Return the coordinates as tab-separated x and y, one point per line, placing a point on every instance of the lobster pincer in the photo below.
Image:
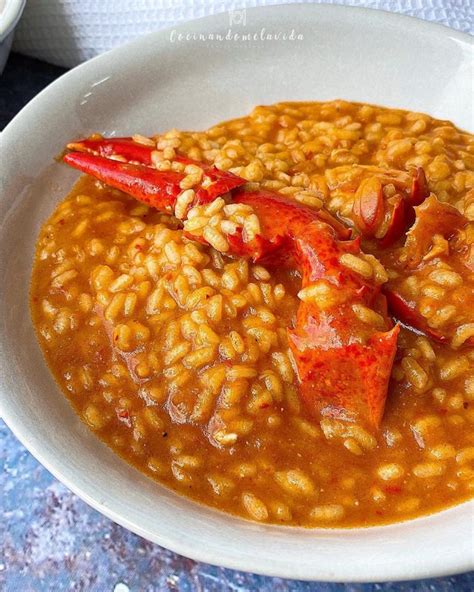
343	341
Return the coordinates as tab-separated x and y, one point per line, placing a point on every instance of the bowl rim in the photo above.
10	16
183	547
408	21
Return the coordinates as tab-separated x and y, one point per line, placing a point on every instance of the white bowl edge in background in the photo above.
153	84
10	13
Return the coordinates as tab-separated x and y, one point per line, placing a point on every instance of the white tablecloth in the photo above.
68	32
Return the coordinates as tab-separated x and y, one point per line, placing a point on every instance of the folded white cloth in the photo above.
68	32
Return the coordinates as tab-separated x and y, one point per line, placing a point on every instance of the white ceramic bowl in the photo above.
156	83
10	12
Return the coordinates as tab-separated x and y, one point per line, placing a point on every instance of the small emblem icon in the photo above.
238	17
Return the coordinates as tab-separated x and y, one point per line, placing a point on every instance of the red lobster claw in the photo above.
343	342
158	189
434	218
344	360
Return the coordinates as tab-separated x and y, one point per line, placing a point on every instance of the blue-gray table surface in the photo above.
52	541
